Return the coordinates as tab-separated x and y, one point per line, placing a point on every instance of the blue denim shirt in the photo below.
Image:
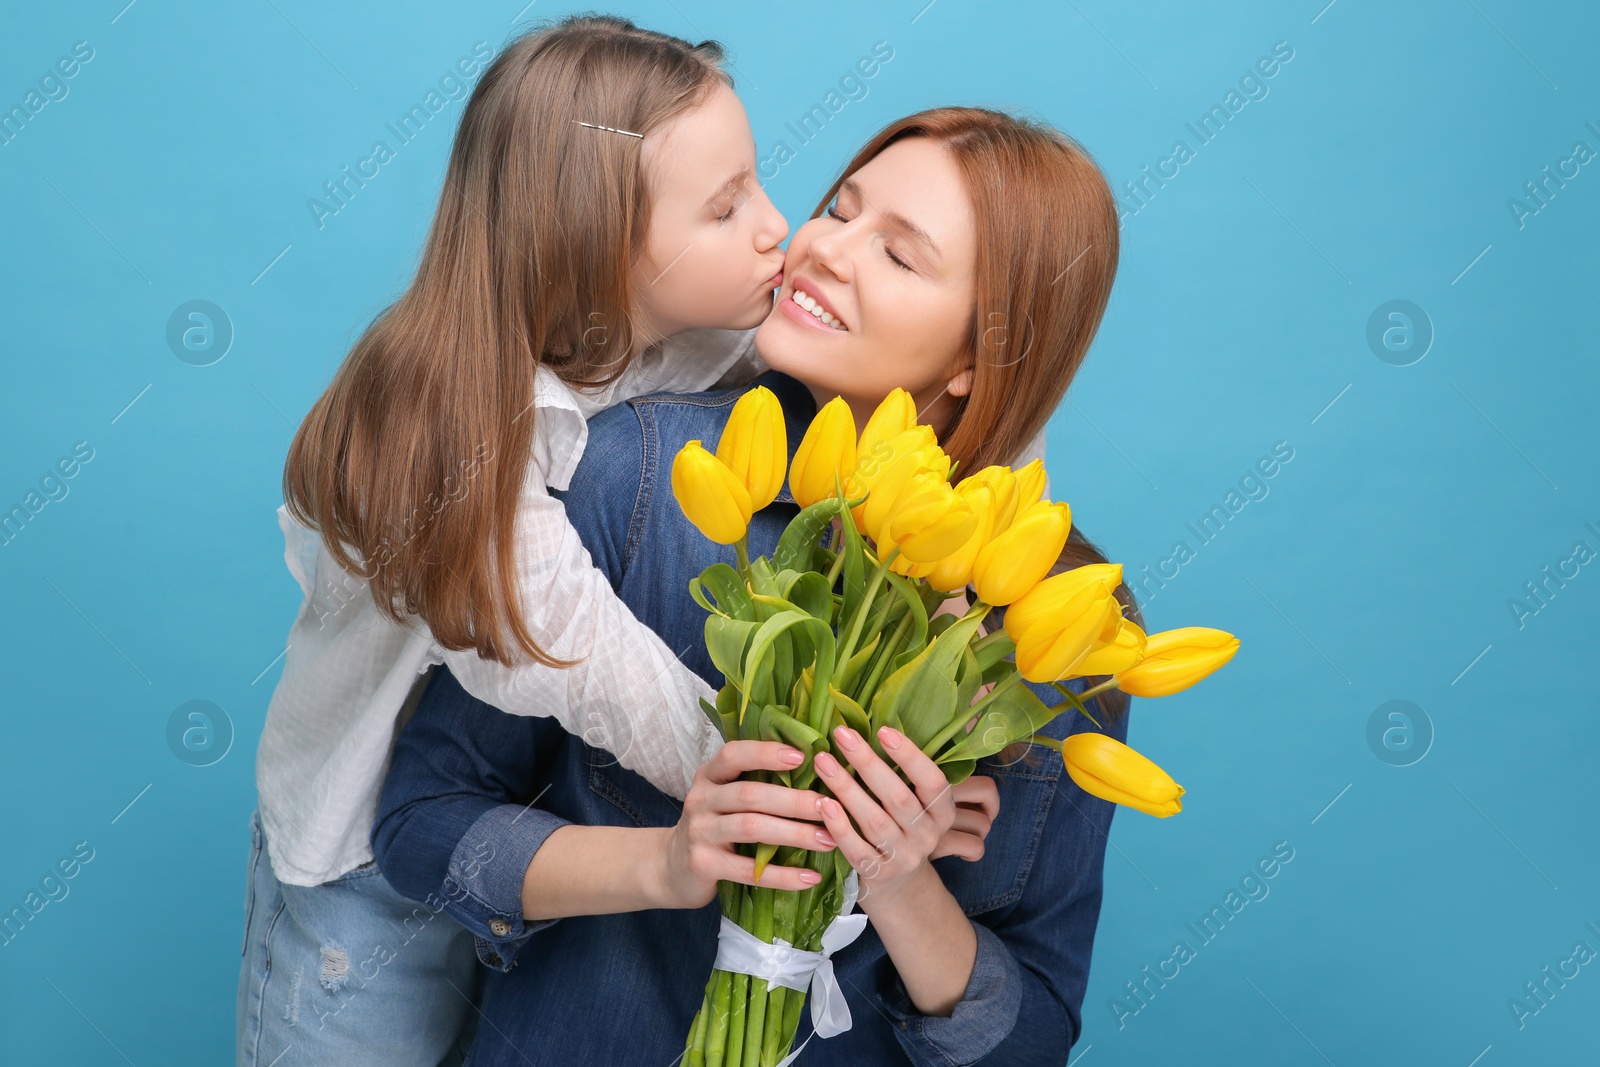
473	792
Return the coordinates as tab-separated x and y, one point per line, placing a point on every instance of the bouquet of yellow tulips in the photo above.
841	626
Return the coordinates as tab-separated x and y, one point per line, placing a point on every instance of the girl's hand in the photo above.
899	829
722	810
977	806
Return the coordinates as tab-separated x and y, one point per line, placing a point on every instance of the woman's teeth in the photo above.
806	302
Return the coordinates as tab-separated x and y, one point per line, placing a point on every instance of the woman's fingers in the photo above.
978	791
961	845
888	791
736	757
769	797
772	875
933	788
753	827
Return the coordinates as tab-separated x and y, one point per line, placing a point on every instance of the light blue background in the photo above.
1419	501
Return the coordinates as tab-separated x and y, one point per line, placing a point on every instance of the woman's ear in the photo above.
961	384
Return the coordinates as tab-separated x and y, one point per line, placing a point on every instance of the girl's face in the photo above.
712	258
892	265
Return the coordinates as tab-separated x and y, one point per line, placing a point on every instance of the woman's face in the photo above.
892	265
712	254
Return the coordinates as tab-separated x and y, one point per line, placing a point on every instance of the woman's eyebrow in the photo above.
898	221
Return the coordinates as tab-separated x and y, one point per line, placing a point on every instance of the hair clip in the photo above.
612	129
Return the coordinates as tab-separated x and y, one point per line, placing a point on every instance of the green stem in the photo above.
1049	742
881	662
741	548
860	618
836	569
756	1013
1094	691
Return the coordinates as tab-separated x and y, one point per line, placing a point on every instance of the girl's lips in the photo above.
800	315
775	281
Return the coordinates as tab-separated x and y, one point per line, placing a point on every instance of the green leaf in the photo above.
922	694
763	578
727	711
908	593
778	724
733	599
855	569
758	658
958	771
853	714
968	678
727	640
847	675
810	593
797	547
993	648
1013	715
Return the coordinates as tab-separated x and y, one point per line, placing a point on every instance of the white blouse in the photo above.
349	672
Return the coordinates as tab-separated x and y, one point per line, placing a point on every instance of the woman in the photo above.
927	272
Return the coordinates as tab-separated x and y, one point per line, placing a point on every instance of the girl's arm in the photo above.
628	694
459	820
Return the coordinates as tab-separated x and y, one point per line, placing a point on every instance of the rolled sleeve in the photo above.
980	1020
483	884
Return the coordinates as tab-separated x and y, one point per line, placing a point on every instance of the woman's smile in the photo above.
806	310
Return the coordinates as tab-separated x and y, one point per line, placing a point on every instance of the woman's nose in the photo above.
831	252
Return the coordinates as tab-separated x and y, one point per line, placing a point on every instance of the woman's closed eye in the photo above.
833	213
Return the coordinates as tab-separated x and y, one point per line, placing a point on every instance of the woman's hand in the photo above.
723	810
977	806
899	829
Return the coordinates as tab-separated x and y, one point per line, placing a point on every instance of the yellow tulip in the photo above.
904	566
1050	600
1124	647
1051	651
1105	767
1002	484
895	414
827	452
1017	559
928	520
1176	659
711	495
955	570
884	473
755	445
1030	484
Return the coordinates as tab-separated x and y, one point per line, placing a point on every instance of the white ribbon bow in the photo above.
781	964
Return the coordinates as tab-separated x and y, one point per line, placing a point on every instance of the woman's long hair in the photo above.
1047	243
412	463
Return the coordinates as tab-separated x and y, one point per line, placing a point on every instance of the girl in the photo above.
600	234
568	867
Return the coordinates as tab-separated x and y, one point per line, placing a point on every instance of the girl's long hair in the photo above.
412	463
1047	243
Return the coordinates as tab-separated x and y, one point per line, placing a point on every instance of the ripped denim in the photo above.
350	972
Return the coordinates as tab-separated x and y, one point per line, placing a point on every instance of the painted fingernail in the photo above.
819	803
826	839
890	737
848	738
826	765
792	757
810	877
831	807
